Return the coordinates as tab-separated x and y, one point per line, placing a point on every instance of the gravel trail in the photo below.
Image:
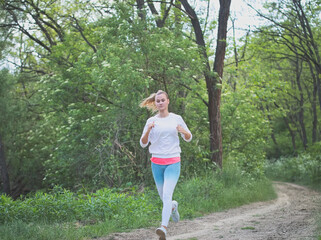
291	216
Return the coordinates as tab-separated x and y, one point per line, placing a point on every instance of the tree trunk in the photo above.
313	49
178	17
272	130
216	129
301	103
213	78
318	69
292	133
4	169
314	104
160	18
221	36
140	6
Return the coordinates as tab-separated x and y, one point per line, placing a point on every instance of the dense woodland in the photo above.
69	102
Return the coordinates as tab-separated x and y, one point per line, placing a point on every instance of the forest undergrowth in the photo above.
61	214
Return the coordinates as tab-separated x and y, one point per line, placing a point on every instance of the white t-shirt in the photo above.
164	136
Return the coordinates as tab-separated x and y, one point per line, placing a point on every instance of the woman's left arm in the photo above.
187	135
183	130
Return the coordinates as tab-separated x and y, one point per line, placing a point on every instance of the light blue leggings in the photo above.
166	177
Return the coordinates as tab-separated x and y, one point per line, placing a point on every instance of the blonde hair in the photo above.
149	102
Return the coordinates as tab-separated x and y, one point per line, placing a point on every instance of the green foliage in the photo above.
303	168
73	120
286	77
61	214
245	131
19	129
217	191
84	123
61	205
98	127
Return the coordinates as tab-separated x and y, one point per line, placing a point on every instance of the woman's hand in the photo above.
180	129
149	128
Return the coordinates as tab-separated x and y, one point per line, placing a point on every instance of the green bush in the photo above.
61	205
303	168
62	214
220	190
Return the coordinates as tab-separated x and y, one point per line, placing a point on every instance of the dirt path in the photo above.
290	216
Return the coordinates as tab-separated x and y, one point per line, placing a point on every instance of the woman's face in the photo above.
161	102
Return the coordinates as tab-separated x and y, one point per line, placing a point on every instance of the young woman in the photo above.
161	131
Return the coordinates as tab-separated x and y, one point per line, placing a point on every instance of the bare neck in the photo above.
163	114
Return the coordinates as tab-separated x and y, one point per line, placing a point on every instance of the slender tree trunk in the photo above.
140	6
4	169
318	69
315	116
236	57
292	133
313	49
301	103
178	17
272	130
160	18
313	105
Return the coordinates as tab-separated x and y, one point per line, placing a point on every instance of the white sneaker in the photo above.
175	214
161	232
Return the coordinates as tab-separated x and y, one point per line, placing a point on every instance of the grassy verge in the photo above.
221	191
303	169
83	216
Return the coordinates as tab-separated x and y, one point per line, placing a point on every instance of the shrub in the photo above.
303	168
61	205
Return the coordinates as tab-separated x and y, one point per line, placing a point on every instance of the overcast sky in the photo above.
245	17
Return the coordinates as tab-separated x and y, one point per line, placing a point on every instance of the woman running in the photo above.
161	131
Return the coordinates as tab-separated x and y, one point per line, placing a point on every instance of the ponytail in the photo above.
149	102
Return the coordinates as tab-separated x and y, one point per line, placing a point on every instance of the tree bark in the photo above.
213	77
314	104
4	169
160	19
292	133
140	5
272	130
298	71
216	134
313	49
318	70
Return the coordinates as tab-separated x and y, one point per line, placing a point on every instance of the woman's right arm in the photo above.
144	138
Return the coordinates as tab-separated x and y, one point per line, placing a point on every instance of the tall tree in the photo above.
292	38
213	76
293	20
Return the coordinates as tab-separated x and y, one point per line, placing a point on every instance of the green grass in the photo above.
225	190
248	228
86	216
304	169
